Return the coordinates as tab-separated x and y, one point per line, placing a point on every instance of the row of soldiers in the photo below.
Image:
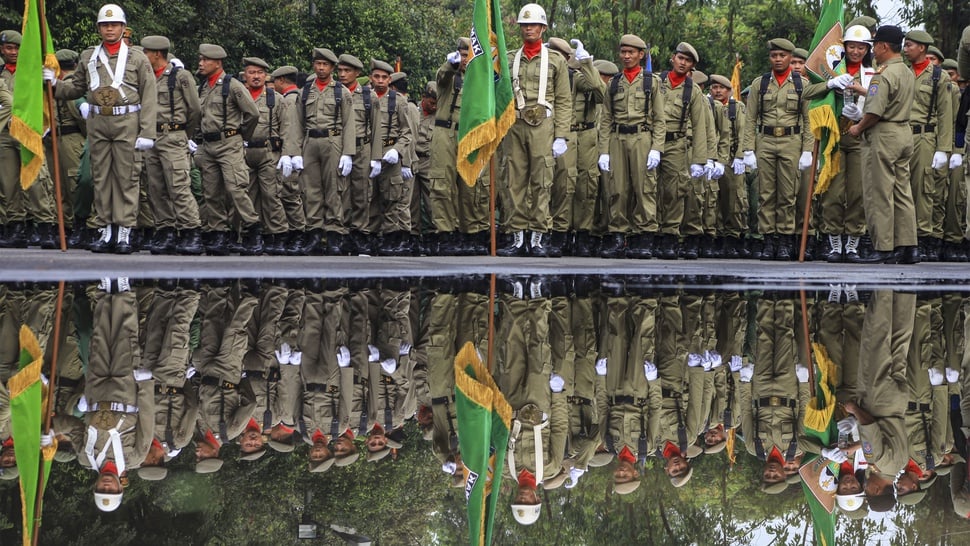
595	371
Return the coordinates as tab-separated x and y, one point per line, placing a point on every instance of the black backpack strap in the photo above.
459	82
688	90
226	82
614	85
797	80
937	71
733	116
391	108
365	92
765	80
647	90
338	96
171	91
306	92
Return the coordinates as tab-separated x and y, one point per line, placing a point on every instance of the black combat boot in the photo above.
613	246
190	243
252	244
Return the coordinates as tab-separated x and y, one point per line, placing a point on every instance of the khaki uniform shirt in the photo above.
891	92
282	117
782	108
240	111
396	125
942	111
628	106
320	112
695	117
557	87
181	103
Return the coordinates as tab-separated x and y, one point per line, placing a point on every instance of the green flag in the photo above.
824	62
26	402
29	120
819	423
487	109
483	418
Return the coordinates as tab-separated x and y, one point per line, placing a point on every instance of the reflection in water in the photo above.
645	414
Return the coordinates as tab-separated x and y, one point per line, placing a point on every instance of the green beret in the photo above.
699	77
398	76
605	67
287	71
562	46
376	64
950	64
920	37
720	80
255	61
324	54
865	21
156	43
687	49
632	40
349	60
68	56
212	51
933	50
781	44
800	53
10	37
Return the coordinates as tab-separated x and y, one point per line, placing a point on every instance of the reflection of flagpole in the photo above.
491	316
805	334
51	391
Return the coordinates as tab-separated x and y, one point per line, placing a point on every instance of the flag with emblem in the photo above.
818	483
29	121
487	108
824	62
27	392
484	418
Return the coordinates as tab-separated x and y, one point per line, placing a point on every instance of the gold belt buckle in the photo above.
533	115
106	97
779	131
774	401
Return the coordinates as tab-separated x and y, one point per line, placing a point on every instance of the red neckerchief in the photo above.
288	89
379	94
671	449
211	439
530	50
8	442
376	428
352	87
158	71
156	444
919	67
631	73
846	468
627	455
911	466
675	80
12	68
256	93
252	425
321	85
527	479
349	433
780	78
319	436
110	468
112	49
853	68
776	455
214	78
285	428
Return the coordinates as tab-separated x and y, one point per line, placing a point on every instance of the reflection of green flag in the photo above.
484	418
823	517
487	110
26	399
820	423
823	113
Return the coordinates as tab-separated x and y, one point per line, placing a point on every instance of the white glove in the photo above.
556	382
449	467
653	160
558	147
952	376
407	173
375	169
50	76
144	144
936	378
604	162
345	164
579	52
696	170
956	161
454	57
851	110
716	360
848	425
650	370
750	161
82	404
939	160
177	62
141	374
298	163
706	362
736	363
190	373
834	454
737	166
709	168
747	372
840	82
718	171
805	161
574	475
373	354
389	365
85	110
391	157
801	372
343	356
283	354
694	360
601	366
296	358
285	166
193	147
47	439
405	349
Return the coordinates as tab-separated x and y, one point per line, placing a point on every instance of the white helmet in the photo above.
849	503
107	502
532	13
111	13
857	33
526	514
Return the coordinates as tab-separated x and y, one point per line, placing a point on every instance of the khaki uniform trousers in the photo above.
325	192
630	189
169	183
886	191
225	181
527	190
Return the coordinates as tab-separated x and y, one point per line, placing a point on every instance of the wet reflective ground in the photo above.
654	409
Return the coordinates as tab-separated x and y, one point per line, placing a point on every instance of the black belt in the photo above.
624	399
579	401
667	393
913	406
322	388
389	141
68	130
424	154
780	131
363	140
272	376
630	129
577	127
166	127
439	400
674	136
324	133
919	129
216	382
447	124
274	143
219	135
168	390
774	402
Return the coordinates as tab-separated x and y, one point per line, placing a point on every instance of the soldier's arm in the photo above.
563	104
941	435
445	78
808	138
751	118
6	101
405	138
149	100
72	88
376	138
944	116
247	109
349	127
588	79
963	55
193	108
659	121
699	114
740	123
285	113
710	110
606	122
723	136
145	427
814	90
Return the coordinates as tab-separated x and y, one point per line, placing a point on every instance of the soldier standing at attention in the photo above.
284	82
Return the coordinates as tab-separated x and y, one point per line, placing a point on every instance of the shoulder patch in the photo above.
873	89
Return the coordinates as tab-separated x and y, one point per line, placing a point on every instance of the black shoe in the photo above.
49	239
613	246
252	244
17	235
691	248
293	244
190	243
33	234
934	250
668	247
218	244
102	244
582	245
730	248
276	245
164	242
640	247
880	257
769	248
907	255
784	249
707	247
554	244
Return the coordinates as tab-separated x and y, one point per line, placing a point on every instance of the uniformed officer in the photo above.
71	133
369	152
124	107
587	106
732	194
886	191
421	196
540	86
229	117
955	218
778	133
12	214
718	140
284	83
631	131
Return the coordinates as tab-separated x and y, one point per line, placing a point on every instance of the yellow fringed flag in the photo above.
824	62
736	78
29	121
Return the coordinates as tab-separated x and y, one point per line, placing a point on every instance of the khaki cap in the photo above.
376	64
398	76
774	488
374	456
605	67
286	71
920	37
933	50
687	49
156	43
699	77
718	447
281	447
431	90
865	21
680	481
10	37
464	43
322	466
212	51
720	80
632	40
950	64
800	53
255	61
781	44
556	481
153	473
562	46
66	56
349	60
348	459
254	456
627	487
324	54
208	466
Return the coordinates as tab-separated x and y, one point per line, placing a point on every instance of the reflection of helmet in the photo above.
857	33
849	503
107	502
526	514
111	13
532	13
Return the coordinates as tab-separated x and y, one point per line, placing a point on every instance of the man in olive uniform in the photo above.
540	86
955	219
631	134
886	190
124	105
177	223
71	136
12	214
421	196
366	160
229	117
284	83
732	195
931	119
